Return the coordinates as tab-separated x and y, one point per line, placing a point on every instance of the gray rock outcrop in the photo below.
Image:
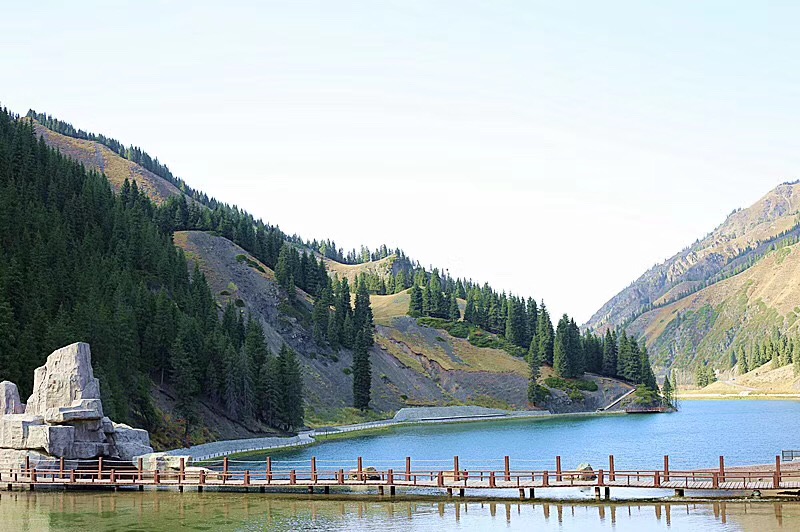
64	415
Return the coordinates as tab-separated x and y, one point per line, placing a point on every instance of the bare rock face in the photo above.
64	415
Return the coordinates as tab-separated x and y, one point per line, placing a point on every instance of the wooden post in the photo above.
113	476
776	478
360	469
155	477
292	477
456	476
600	477
657	480
202	477
269	470
246	477
558	468
715	480
408	469
341	476
72	476
666	468
507	470
27	465
612	476
722	469
100	468
139	465
61	467
440	480
390	477
492	483
314	469
224	470
545	478
182	473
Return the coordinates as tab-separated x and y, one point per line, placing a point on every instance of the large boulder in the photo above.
129	442
65	388
64	415
55	440
9	399
15	428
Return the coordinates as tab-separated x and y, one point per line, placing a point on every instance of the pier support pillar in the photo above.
311	489
141	487
380	490
262	489
327	490
522	494
597	492
180	489
461	492
680	492
449	492
531	493
607	493
199	489
392	491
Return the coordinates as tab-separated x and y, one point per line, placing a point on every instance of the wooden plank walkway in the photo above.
261	475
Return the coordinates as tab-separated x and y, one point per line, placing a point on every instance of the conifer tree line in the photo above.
80	263
335	322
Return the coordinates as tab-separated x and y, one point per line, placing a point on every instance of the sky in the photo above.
554	149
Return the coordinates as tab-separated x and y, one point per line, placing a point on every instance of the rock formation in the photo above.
64	415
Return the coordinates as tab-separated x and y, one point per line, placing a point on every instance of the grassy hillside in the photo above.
411	364
764	381
95	156
350	271
709	324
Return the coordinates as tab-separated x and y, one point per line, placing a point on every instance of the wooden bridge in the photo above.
248	475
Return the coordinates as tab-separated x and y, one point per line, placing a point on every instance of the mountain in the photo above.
727	294
208	323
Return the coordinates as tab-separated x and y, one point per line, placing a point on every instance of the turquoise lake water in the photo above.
745	432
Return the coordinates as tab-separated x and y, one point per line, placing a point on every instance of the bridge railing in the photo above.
435	473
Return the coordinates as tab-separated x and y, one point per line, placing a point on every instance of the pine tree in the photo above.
362	315
415	306
454	313
562	354
536	392
290	389
362	373
609	355
545	336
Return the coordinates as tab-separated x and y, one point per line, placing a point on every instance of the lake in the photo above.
744	431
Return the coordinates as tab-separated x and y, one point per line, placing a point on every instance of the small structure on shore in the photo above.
63	418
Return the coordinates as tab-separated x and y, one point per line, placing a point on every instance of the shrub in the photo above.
459	329
575	395
347	371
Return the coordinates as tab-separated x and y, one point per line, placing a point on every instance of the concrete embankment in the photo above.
405	416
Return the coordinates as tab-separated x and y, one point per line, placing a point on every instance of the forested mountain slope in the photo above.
242	329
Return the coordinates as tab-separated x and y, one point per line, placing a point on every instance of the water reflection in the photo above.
236	511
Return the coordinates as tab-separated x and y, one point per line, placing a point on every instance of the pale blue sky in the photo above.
554	149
